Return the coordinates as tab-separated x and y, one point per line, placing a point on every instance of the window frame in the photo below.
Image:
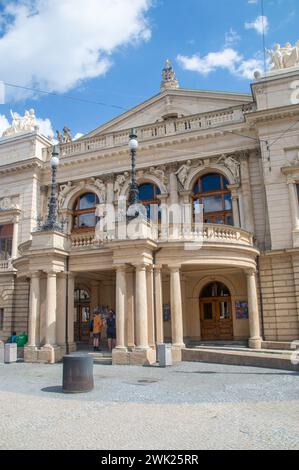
1	318
79	212
222	192
8	239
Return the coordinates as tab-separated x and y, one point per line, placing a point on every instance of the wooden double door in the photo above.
216	320
82	331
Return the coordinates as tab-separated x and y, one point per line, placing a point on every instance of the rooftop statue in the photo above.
284	57
169	80
26	123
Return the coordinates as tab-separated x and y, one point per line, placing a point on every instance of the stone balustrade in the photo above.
161	129
208	233
5	265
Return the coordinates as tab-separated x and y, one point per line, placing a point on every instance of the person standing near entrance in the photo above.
111	330
97	330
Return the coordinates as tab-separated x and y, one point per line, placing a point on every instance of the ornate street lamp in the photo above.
133	211
51	223
134	192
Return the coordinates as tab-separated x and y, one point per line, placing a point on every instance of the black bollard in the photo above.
77	374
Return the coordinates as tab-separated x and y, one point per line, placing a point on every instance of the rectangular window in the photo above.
1	318
6	233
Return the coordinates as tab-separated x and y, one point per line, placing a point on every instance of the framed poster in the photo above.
242	310
166	312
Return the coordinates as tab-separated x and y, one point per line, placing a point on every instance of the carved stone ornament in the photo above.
65	189
183	172
7	204
232	164
284	57
26	123
119	183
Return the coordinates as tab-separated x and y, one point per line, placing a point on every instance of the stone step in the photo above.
253	358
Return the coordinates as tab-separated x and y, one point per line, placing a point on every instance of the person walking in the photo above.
111	330
97	331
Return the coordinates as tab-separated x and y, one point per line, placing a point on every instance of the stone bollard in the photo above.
1	352
164	354
10	353
77	374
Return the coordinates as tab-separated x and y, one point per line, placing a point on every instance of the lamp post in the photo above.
134	192
51	223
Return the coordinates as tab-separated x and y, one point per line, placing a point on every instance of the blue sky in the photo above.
113	51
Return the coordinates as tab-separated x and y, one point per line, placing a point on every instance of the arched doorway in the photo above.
82	318
216	319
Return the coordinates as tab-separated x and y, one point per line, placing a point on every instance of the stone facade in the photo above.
156	282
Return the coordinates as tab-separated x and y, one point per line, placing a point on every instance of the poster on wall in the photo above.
242	310
166	312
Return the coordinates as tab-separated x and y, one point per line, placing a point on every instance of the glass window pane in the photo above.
196	189
212	203
224	311
87	220
146	192
87	201
211	182
225	183
208	311
228	202
229	220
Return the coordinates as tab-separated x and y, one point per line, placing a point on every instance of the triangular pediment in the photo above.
172	103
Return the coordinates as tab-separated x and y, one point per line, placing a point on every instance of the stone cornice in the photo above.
21	166
272	114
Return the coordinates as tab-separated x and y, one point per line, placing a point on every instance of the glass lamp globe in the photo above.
133	144
54	161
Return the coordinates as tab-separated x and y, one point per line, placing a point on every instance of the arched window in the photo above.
215	289
6	234
84	211
212	191
148	193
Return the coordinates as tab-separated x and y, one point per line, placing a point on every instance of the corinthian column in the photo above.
255	340
141	308
34	306
120	307
176	308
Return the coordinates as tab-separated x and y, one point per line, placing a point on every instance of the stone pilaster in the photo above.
150	307
120	307
141	308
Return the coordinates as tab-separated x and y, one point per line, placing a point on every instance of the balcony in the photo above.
206	234
5	266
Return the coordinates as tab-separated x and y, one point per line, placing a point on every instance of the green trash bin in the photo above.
22	339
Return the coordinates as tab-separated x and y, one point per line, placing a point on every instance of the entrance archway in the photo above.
82	315
216	319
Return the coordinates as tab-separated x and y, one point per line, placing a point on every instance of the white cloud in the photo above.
260	24
231	38
78	135
228	59
56	44
4	124
45	127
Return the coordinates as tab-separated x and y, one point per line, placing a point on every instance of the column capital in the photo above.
250	272
35	275
62	275
52	273
120	268
141	267
175	269
157	267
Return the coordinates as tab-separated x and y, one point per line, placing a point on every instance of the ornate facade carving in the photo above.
27	123
119	183
8	204
284	57
64	190
232	164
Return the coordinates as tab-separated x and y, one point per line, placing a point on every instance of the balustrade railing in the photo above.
160	129
208	233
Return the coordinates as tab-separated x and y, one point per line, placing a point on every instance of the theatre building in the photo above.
236	154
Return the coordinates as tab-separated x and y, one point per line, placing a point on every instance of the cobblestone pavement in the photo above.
189	406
